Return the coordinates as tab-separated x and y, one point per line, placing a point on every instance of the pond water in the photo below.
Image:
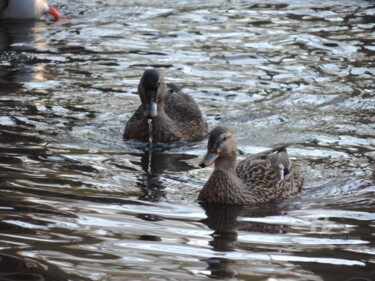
80	203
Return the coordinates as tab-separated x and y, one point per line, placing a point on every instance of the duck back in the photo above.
270	174
183	110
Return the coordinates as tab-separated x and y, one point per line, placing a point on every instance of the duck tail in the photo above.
297	179
280	149
173	88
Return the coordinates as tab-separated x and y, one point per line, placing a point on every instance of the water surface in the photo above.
79	203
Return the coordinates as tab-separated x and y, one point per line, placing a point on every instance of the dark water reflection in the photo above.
79	203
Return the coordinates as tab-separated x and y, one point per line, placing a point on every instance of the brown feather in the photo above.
263	177
178	118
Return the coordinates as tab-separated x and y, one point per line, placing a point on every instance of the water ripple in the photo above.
78	201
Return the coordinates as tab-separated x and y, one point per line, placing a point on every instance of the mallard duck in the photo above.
174	115
263	177
26	9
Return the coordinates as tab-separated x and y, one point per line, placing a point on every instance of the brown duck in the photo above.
263	177
174	115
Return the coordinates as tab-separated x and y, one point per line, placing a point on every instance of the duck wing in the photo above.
182	109
137	127
276	156
270	174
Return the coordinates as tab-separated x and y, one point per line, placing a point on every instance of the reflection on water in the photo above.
19	268
17	40
79	203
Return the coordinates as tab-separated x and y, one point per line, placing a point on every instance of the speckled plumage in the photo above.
178	117
263	177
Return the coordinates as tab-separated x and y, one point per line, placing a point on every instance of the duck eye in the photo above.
225	138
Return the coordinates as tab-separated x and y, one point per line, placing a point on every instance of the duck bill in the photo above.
151	110
208	159
53	12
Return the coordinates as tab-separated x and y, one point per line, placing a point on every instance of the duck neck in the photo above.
162	118
163	127
161	110
223	187
226	163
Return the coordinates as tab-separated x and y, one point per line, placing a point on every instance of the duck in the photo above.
263	177
26	9
173	115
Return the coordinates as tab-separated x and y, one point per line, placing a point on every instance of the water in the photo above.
79	203
150	144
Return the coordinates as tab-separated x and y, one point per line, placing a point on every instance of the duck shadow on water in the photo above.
17	39
155	161
16	32
223	220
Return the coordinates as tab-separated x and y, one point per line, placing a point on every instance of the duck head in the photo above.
26	9
221	146
151	90
42	8
53	12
